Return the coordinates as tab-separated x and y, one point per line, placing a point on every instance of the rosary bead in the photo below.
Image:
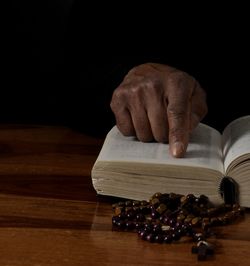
159	238
186	228
157	228
144	203
211	211
228	217
166	220
195	221
148	227
150	237
165	228
155	202
140	217
198	237
136	209
183	200
181	217
145	209
178	225
128	203
149	219
169	217
120	224
167	239
191	198
155	214
115	219
157	195
188	219
122	216
164	198
161	208
118	210
202	199
205	223
135	203
171	222
130	214
138	226
130	225
176	235
143	234
214	221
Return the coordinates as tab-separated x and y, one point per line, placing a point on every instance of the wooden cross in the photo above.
203	249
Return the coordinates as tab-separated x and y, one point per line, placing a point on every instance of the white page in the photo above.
204	149
236	139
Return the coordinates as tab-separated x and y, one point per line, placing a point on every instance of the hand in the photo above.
158	102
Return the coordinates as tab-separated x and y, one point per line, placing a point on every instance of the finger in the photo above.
128	105
157	115
141	123
179	110
178	118
124	123
119	107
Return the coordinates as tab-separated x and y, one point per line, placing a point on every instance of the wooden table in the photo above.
50	214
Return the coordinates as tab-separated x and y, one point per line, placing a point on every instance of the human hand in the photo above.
158	102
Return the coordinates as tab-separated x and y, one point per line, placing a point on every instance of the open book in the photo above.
128	168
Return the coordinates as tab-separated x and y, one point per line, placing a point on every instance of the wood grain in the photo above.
46	161
50	214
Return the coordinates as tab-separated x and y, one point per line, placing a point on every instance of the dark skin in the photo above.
161	103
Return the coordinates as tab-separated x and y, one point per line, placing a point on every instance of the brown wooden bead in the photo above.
166	218
118	210
195	221
161	208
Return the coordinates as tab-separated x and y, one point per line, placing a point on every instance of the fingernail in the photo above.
178	149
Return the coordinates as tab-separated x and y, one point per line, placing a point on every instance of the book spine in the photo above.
229	190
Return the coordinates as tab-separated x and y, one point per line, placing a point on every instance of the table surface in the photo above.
51	215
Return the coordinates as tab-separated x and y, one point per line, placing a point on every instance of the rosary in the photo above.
167	217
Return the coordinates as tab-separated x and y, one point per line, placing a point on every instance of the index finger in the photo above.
178	111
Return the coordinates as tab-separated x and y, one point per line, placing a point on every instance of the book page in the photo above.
204	149
236	139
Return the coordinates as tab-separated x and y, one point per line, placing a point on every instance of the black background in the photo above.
61	60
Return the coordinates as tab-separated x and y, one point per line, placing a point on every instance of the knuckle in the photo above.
128	93
181	83
179	76
118	99
140	91
119	93
135	91
176	112
114	105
